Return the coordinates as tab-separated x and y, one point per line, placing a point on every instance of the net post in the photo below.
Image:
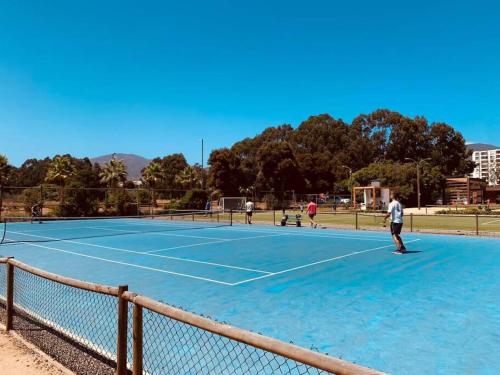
411	222
357	226
121	341
9	296
477	225
137	347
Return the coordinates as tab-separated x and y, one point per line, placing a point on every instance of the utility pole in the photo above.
418	162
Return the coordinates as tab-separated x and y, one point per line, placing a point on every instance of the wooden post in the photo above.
411	222
477	225
10	297
121	344
137	347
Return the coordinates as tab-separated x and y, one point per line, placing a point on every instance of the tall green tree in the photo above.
188	178
151	176
113	173
59	172
225	173
278	168
171	166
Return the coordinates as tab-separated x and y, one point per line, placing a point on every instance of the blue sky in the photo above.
152	78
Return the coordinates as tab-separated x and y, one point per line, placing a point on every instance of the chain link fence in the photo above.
148	337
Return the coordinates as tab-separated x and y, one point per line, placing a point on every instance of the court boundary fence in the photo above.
286	353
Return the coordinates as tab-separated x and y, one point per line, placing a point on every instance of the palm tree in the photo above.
113	173
151	175
188	177
60	170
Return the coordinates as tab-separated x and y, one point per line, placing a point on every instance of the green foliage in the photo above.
171	166
225	173
271	202
31	197
120	203
194	199
79	202
113	173
468	211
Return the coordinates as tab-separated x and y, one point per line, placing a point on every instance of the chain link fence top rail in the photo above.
179	342
165	340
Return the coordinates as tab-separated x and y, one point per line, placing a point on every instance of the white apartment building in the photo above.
487	166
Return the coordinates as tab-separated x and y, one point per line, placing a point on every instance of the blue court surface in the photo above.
435	310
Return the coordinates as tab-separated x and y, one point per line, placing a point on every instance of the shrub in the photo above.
194	199
30	198
271	202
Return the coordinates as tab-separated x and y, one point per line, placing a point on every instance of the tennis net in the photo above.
49	229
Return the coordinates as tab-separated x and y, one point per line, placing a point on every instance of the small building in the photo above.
375	196
464	190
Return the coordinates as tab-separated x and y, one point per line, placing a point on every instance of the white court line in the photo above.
130	264
157	233
152	255
221	241
316	263
491	222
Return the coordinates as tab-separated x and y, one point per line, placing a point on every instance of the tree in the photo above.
171	166
278	168
59	172
32	172
188	178
152	175
4	169
225	173
113	173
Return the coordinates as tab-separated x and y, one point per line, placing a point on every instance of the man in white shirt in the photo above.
395	212
249	210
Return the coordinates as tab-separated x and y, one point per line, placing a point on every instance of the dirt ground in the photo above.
16	358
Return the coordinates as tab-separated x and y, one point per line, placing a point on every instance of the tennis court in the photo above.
434	310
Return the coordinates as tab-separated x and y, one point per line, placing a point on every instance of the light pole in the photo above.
418	162
350	179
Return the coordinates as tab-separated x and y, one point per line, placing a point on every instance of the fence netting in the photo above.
88	318
174	347
3	281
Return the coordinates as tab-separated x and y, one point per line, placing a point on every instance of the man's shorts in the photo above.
311	216
249	213
396	228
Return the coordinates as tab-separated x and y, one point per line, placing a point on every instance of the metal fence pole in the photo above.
411	222
41	200
357	227
477	225
274	217
137	335
10	297
121	344
138	201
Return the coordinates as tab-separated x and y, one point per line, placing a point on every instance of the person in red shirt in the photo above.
312	209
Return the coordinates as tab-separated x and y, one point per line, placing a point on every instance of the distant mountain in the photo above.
134	163
481	147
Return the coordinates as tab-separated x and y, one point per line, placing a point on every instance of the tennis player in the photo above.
395	212
312	209
249	211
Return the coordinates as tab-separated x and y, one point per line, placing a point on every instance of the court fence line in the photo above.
153	338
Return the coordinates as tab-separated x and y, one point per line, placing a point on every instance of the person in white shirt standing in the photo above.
249	211
395	212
